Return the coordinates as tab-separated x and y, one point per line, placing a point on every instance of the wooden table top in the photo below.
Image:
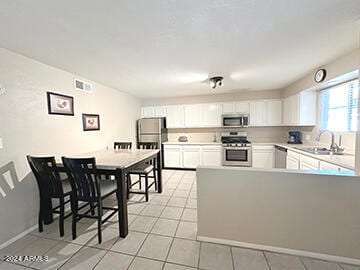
115	159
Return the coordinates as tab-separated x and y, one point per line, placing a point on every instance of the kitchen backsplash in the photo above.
264	134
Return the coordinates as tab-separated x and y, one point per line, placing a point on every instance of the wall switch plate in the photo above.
1	143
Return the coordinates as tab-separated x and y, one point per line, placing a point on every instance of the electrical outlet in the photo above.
1	143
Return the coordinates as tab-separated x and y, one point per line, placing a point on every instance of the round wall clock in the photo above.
320	75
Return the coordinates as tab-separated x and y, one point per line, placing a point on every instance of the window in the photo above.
339	107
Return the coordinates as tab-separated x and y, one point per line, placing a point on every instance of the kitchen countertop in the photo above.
345	161
192	143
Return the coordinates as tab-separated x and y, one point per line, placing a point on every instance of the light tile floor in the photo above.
162	236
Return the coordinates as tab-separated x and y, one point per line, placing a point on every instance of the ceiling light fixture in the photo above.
216	81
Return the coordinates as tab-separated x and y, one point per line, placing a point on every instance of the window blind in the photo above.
339	107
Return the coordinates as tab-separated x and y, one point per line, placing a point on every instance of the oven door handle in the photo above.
237	148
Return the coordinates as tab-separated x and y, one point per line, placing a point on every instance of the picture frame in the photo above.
91	122
60	104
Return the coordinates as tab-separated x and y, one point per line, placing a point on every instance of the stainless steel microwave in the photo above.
235	120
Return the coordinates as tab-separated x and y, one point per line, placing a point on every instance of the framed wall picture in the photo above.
60	104
91	122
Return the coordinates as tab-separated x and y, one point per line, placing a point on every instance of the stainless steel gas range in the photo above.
236	149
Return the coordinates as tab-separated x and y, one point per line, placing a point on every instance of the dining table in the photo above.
115	163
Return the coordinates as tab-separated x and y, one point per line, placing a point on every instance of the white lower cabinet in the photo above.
326	166
191	156
308	163
173	156
211	155
292	160
305	166
292	163
263	156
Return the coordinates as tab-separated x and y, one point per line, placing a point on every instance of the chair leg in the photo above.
99	222
61	217
128	180
146	187
92	208
155	180
74	209
140	181
40	222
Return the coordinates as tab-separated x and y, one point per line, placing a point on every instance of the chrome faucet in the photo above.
333	147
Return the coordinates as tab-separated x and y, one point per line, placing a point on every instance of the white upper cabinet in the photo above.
296	110
147	112
257	111
193	115
242	107
228	107
273	115
300	109
286	111
160	111
175	116
235	107
211	115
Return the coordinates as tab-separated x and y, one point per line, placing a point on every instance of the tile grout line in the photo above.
84	246
301	259
108	250
147	235
232	257
266	260
172	241
198	265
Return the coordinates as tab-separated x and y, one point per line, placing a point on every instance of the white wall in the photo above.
27	128
288	211
340	66
214	97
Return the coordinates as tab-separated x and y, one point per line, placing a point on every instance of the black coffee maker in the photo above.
295	137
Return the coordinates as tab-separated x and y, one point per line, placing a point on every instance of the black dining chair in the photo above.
50	186
143	170
122	145
147	145
87	187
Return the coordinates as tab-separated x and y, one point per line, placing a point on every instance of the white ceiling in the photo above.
154	48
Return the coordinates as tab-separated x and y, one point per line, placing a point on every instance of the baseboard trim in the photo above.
296	252
17	237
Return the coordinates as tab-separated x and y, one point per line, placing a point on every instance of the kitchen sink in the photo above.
319	151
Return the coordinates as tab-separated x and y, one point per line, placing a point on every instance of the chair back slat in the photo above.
122	145
47	175
147	145
83	178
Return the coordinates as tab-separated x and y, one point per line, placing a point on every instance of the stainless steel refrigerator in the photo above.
152	130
